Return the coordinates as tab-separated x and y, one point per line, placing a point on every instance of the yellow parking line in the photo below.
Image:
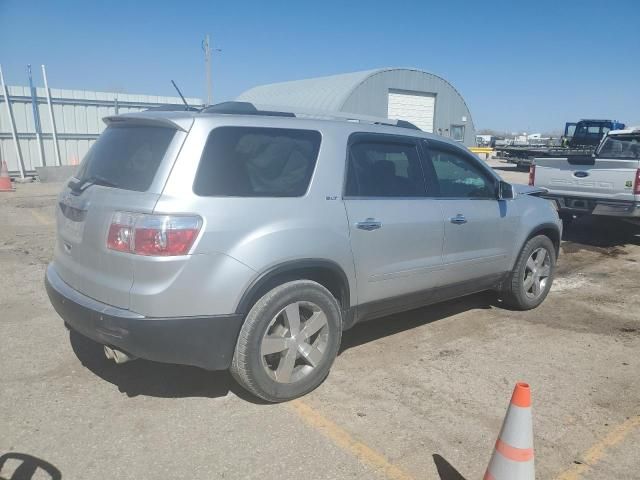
344	440
43	219
598	451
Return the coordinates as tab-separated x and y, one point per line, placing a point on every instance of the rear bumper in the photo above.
206	342
595	206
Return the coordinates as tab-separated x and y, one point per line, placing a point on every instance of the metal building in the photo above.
424	99
77	123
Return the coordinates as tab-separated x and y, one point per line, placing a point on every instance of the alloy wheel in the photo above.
295	342
536	272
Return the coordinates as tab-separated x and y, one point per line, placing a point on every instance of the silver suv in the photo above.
243	239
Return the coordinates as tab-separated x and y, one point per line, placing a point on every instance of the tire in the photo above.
520	288
270	326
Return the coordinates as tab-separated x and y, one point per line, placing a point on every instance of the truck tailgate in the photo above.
602	178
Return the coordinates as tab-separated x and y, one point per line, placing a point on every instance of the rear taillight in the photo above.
120	234
532	174
636	187
155	235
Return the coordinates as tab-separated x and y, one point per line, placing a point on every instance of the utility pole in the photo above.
207	65
206	47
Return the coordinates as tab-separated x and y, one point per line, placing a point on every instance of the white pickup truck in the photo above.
606	183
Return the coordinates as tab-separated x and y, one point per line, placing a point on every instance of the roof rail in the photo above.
247	108
405	124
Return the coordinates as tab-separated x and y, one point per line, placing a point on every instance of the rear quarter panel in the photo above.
256	234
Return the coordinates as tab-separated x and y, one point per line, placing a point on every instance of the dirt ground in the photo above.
420	395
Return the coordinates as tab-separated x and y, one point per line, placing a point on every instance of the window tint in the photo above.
384	170
126	157
257	162
459	177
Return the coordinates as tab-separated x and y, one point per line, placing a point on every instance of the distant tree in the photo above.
553	134
494	133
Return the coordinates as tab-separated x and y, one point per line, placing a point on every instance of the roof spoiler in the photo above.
149	119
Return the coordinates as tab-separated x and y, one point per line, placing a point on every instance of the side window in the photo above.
384	169
459	177
594	130
457	133
257	162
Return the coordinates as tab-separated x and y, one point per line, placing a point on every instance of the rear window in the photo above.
621	146
257	162
126	157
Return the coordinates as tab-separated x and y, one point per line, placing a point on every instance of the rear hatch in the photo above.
125	170
606	178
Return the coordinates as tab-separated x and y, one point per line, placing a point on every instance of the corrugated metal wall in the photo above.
77	116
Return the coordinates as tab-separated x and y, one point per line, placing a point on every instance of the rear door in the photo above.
478	228
396	228
123	172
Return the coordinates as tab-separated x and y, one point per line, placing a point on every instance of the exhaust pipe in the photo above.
117	356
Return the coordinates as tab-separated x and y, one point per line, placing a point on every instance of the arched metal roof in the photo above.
322	93
366	93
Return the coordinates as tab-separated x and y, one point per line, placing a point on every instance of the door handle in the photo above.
369	224
459	219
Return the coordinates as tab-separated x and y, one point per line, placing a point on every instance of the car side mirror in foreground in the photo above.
505	191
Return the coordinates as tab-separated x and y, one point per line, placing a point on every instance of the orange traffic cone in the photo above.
5	179
512	457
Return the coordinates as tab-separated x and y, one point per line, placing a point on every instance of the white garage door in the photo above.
415	108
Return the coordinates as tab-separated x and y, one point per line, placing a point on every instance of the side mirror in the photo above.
505	191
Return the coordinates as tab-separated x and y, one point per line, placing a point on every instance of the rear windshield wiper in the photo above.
82	185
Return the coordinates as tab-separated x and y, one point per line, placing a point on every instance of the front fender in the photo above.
537	215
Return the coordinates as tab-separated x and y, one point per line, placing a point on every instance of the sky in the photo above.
520	66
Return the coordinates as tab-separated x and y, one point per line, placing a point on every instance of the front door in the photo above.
477	225
396	229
